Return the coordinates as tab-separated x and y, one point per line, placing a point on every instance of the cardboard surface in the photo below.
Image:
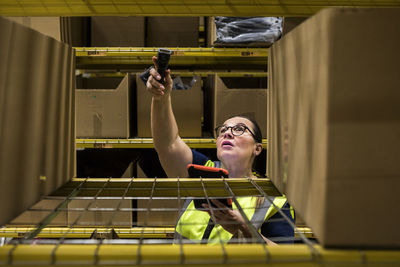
75	31
49	26
334	125
101	212
172	32
289	23
227	102
117	31
103	113
187	106
37	129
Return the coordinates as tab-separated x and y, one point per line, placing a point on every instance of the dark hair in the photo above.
256	128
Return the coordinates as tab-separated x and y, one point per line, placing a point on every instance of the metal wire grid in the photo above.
93	190
178	7
106	247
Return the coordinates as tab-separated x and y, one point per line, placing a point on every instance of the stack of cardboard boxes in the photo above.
334	125
144	31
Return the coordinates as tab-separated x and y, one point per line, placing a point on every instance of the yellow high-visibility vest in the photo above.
192	223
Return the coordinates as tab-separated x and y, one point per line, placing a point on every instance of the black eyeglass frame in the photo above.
231	127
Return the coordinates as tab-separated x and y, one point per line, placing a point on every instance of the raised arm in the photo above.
173	153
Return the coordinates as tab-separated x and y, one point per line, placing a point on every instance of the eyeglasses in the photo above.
236	130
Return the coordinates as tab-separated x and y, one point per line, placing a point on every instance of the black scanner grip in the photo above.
163	56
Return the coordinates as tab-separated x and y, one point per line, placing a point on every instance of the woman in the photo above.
239	141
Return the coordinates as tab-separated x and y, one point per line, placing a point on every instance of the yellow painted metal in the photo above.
307	232
177	7
144	143
298	253
129	57
259	74
166	187
86	232
177	52
32	254
201	255
115	143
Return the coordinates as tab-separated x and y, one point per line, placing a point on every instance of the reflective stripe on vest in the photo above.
211	163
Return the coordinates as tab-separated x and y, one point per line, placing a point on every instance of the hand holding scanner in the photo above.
163	56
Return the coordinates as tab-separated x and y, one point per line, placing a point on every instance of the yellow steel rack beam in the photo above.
128	57
259	74
189	254
86	232
143	143
166	187
178	7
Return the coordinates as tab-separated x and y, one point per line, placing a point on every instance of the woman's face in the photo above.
241	147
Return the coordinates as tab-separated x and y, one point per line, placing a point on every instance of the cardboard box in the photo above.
75	31
89	82
103	113
333	141
101	212
187	106
130	171
37	129
172	32
227	102
289	23
117	31
49	26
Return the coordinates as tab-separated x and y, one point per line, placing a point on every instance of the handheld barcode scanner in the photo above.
163	56
199	171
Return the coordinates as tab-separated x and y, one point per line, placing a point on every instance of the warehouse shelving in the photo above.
165	187
121	232
87	232
152	245
143	143
200	58
122	254
182	73
179	7
131	249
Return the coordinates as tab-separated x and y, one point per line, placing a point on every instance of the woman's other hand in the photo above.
231	220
